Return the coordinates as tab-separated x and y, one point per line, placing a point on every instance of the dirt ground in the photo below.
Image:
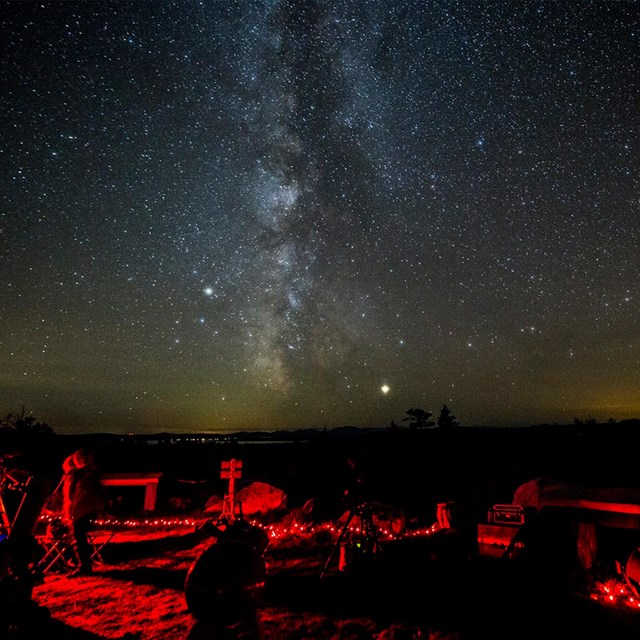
422	586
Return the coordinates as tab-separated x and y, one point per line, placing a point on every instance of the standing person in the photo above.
82	500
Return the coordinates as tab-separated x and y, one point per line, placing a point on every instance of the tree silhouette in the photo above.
418	418
446	418
24	425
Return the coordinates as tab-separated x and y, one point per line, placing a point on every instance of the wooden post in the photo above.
231	470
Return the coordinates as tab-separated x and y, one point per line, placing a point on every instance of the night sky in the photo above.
226	215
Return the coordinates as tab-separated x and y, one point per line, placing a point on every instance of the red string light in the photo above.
614	593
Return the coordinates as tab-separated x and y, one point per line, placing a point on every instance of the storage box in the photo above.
509	514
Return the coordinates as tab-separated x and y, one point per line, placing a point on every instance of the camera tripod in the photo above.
361	541
10	481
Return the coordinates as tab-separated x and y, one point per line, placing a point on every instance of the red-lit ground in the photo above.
416	589
138	592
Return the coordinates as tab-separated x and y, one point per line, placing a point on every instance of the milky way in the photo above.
225	215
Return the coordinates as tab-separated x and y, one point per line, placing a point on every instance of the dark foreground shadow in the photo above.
467	597
34	622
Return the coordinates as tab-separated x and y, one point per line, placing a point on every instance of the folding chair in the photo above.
57	554
97	540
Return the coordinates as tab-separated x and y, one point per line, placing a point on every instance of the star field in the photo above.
222	215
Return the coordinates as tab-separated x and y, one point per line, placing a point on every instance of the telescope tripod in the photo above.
9	481
354	542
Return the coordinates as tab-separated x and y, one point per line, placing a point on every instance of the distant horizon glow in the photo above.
236	216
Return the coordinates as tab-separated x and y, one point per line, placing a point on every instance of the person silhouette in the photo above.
82	500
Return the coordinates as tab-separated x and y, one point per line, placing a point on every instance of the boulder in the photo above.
257	498
547	491
214	504
389	518
531	494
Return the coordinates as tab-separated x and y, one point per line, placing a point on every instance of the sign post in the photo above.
231	470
